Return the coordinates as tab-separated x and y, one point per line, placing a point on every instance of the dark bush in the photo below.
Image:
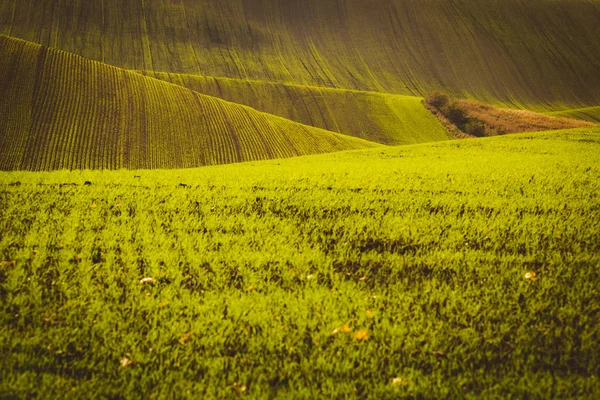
456	114
475	128
437	99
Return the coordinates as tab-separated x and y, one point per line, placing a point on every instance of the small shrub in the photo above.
437	99
456	114
475	127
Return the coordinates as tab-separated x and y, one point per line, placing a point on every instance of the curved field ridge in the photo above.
378	117
62	111
591	114
525	53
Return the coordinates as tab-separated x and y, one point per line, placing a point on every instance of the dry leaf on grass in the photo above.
399	381
125	362
342	329
186	337
239	387
362	335
532	276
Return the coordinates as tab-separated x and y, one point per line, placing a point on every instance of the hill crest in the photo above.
63	111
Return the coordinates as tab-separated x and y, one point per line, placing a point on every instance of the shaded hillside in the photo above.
591	114
62	111
377	117
518	52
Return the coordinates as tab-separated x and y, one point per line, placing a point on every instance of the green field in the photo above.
273	199
591	114
64	112
397	272
377	117
541	53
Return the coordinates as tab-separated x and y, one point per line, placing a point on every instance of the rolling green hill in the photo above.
525	53
377	117
591	114
321	263
460	269
62	111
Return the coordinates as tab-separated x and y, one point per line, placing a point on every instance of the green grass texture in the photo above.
377	117
60	111
591	114
459	269
523	53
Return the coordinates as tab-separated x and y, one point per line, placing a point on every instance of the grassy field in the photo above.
377	117
525	53
591	114
464	269
60	111
322	262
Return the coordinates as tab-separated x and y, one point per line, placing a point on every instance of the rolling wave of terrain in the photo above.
62	111
454	269
378	117
591	114
526	53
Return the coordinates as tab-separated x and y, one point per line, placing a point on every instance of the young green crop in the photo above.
525	53
376	117
463	269
61	111
591	114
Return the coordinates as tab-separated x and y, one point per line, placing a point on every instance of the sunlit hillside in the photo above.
62	111
377	117
463	269
591	114
299	199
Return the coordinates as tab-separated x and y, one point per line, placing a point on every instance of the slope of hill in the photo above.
62	111
591	114
460	269
377	117
517	52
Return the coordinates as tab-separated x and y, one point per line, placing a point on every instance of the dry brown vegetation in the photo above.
457	133
499	121
464	118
